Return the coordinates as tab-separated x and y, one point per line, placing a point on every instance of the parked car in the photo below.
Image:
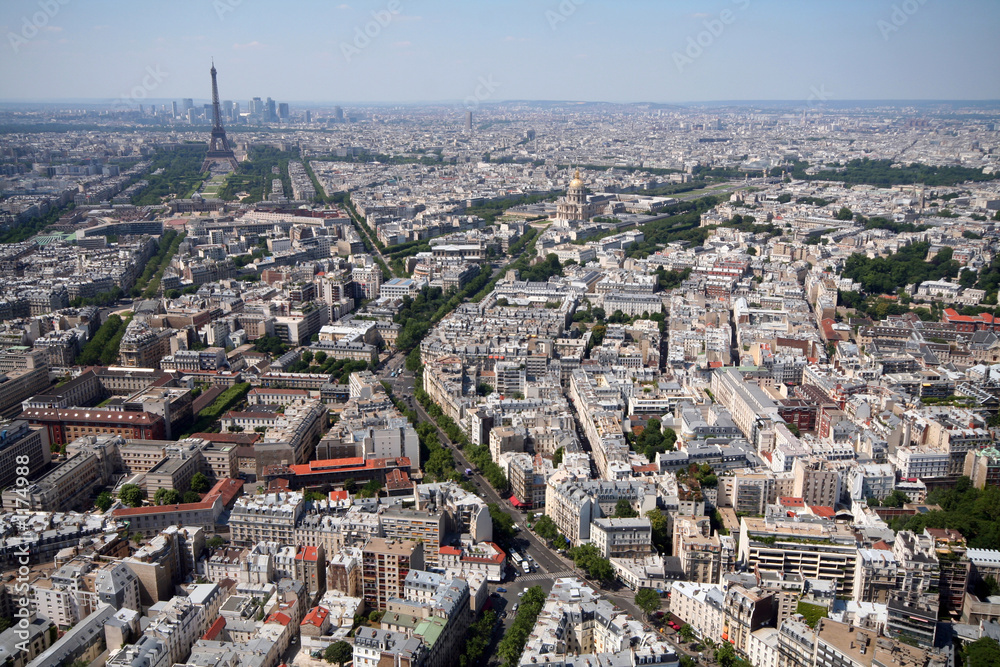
501	590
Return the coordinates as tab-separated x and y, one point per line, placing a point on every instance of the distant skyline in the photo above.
661	51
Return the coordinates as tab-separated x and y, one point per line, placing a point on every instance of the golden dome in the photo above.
577	182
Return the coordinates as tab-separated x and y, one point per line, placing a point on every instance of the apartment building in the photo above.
704	559
702	606
876	575
574	505
815	549
817	482
745	611
420	526
385	564
622	538
268	518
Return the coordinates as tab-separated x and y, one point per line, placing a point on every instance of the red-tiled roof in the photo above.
278	617
216	628
397	479
308	554
499	555
226	489
337	496
823	510
450	551
280	484
316	616
345	464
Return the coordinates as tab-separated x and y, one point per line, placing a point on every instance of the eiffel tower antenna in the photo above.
220	154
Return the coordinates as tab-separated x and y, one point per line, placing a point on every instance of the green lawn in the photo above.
812	612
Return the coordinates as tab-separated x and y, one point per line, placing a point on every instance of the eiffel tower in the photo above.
219	152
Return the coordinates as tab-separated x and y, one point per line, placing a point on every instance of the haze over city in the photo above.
431	51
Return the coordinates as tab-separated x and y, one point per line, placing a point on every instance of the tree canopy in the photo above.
973	513
546	528
104	501
167	497
623	510
884	275
647	599
654	439
200	483
339	652
132	495
589	559
512	645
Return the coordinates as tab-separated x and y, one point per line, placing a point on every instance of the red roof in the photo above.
280	484
226	489
397	479
316	616
499	556
92	416
278	617
229	438
450	551
337	496
346	464
216	628
308	554
823	510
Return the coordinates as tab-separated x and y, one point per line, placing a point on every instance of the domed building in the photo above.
575	205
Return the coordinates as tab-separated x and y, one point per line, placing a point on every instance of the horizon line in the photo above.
836	102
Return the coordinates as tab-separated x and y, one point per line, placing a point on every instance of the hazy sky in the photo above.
431	50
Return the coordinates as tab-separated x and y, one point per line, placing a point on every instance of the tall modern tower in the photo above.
219	152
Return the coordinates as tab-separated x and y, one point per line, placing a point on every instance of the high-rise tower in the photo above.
219	152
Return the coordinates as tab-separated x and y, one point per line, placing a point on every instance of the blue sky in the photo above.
431	50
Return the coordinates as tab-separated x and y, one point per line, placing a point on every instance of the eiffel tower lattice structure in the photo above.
220	155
